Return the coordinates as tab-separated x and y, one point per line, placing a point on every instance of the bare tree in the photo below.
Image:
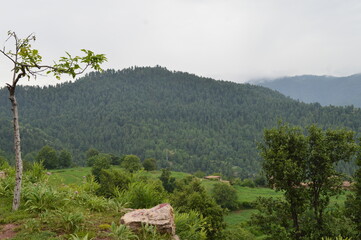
27	62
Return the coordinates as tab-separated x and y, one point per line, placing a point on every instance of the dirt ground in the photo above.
7	231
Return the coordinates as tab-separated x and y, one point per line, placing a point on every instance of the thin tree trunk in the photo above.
18	160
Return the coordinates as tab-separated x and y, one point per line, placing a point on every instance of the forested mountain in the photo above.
326	90
186	122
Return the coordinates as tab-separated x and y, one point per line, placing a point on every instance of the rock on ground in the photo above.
160	216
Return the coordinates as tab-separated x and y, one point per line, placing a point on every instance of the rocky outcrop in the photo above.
160	216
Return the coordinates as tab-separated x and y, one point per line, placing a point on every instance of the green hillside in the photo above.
186	122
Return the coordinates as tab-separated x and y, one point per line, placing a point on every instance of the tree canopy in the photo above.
186	122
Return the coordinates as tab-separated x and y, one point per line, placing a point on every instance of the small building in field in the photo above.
216	178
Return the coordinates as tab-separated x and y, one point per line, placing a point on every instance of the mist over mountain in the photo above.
186	122
326	90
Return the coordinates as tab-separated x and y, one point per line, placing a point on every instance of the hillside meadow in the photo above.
245	194
60	205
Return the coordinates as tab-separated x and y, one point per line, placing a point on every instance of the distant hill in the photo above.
186	122
326	90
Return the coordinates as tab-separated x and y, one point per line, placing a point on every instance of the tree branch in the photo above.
6	55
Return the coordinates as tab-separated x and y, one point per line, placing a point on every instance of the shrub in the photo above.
191	195
150	164
150	232
65	159
97	204
91	152
101	161
121	232
131	163
199	174
71	221
111	179
168	182
190	226
7	186
90	185
32	225
237	233
247	205
36	173
225	196
48	156
39	198
142	194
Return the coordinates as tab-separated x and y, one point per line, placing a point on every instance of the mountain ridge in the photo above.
326	90
186	122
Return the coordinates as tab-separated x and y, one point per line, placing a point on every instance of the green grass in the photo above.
156	174
246	194
70	175
76	175
236	217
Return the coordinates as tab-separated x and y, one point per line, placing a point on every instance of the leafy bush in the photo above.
247	205
97	204
32	225
118	205
111	179
191	195
7	187
71	221
121	232
39	198
36	173
150	232
101	161
244	183
142	194
190	226
150	164
225	196
48	156
237	233
90	185
168	182
199	174
131	163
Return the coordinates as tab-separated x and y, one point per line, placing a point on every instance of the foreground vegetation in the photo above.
53	209
88	202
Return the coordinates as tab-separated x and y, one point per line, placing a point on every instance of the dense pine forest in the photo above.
186	122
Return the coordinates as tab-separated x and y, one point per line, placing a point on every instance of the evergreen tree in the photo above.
48	156
100	162
131	163
168	182
150	164
225	196
65	159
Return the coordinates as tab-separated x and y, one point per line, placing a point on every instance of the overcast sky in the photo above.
235	40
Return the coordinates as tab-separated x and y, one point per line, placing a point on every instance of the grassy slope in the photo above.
245	194
76	175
